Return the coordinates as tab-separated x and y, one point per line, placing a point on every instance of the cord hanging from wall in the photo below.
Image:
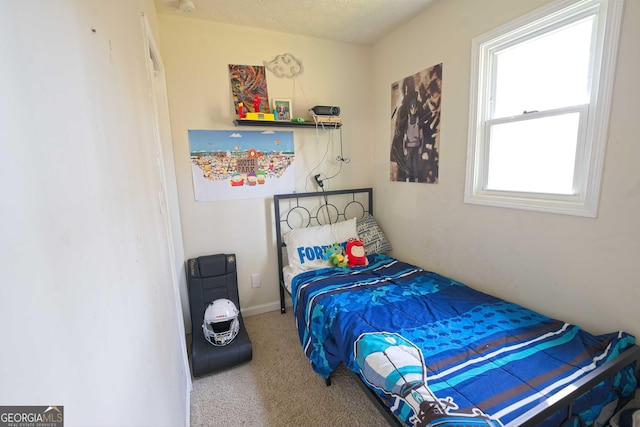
288	66
318	177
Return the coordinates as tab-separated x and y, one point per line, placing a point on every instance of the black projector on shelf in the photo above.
325	110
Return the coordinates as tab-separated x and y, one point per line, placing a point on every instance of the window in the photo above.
540	100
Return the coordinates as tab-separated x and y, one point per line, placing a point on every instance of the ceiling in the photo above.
363	22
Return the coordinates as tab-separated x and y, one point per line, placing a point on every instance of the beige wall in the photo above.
579	269
196	56
88	309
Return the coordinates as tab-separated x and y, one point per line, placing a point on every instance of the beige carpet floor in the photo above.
278	387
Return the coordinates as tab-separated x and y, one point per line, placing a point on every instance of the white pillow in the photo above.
305	246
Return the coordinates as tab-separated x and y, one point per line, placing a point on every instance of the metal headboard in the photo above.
301	210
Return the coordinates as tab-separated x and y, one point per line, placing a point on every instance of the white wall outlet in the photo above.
255	281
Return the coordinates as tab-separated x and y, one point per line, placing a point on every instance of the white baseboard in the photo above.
264	308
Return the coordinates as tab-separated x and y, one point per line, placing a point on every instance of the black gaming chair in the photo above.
210	278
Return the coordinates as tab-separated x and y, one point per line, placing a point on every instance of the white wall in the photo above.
579	269
87	306
196	54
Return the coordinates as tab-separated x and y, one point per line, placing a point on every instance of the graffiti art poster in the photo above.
232	164
415	126
249	86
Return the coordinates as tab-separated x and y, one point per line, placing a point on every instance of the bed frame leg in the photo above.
283	309
327	381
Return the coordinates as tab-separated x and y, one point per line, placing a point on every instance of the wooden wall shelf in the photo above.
282	123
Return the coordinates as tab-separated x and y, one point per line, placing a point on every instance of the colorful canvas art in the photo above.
249	86
232	164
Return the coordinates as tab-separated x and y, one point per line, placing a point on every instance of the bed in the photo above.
431	351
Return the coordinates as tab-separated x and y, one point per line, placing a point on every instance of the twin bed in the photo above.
428	350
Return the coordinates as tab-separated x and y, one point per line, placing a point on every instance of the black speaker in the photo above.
325	110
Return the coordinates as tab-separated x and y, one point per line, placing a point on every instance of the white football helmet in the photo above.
221	323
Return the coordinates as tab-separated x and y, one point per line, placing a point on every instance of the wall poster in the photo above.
415	126
232	164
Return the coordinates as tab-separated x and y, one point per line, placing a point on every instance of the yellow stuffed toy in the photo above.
336	256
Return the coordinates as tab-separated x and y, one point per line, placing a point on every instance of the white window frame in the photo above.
594	117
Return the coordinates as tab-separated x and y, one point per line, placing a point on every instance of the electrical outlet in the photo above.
256	281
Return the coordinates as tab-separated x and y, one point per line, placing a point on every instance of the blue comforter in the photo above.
439	352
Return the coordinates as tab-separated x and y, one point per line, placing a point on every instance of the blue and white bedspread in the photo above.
442	354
